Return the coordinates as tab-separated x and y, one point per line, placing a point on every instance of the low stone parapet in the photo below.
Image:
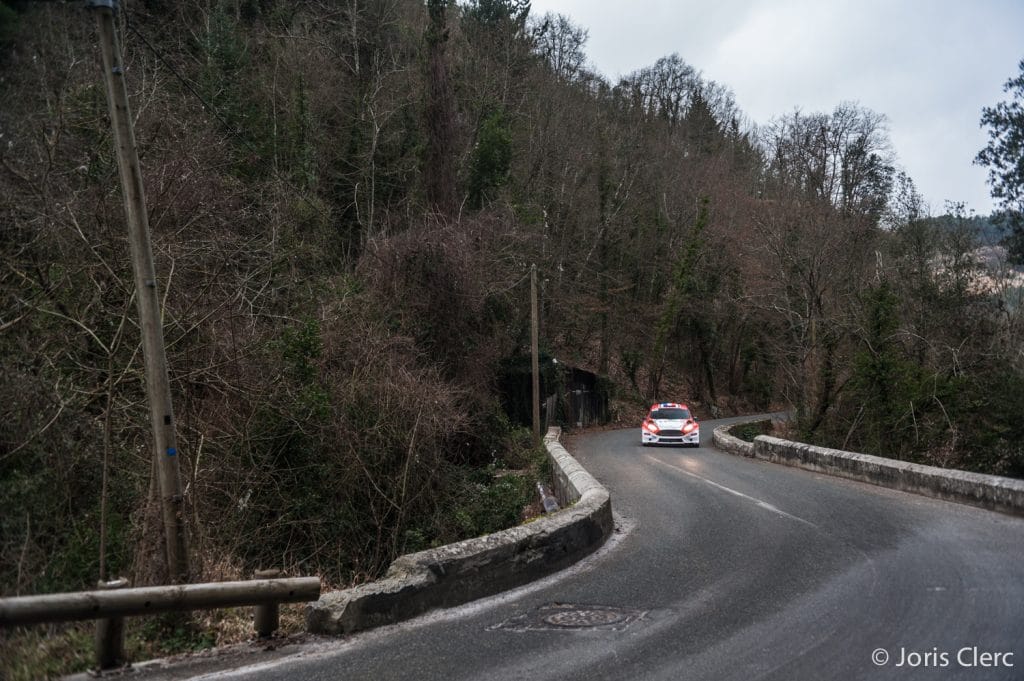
458	573
993	492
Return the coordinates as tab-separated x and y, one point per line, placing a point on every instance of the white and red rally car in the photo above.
670	423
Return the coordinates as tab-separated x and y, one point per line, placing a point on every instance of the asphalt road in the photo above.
729	568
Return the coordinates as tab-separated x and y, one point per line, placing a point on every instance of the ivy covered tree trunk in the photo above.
439	177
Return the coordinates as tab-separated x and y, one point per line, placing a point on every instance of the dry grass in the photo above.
30	653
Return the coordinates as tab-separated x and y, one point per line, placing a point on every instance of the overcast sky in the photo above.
928	65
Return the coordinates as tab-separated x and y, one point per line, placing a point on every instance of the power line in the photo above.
188	86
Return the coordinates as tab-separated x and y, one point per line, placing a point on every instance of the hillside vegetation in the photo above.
346	198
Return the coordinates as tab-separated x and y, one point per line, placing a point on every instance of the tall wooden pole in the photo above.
535	350
158	385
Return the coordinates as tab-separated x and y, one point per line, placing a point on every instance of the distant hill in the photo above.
986	227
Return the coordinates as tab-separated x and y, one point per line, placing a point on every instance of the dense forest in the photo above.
346	198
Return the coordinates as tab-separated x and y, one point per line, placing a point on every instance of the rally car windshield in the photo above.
670	414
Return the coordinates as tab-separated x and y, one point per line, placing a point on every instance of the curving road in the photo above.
729	568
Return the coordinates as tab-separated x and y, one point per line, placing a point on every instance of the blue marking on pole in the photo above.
171	451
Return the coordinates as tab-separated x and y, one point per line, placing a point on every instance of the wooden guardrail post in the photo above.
110	633
266	614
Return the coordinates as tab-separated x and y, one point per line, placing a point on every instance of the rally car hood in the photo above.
670	424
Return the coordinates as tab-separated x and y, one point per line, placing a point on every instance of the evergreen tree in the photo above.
492	159
1004	157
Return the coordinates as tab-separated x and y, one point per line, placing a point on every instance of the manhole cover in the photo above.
584	618
565	616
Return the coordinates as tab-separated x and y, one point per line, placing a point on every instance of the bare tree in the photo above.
560	43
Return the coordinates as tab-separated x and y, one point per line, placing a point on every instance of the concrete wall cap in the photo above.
896	464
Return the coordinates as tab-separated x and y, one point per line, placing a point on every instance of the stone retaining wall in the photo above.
993	492
458	573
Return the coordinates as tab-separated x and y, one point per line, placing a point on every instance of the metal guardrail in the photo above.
112	603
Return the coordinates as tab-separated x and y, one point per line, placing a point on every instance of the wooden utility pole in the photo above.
158	385
535	350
